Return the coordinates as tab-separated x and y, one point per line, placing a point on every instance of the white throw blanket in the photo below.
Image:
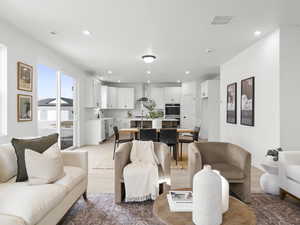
141	175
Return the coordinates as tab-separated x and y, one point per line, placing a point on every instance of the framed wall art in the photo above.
24	109
231	103
25	77
247	101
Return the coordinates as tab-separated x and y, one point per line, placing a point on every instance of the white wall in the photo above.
262	61
289	87
21	47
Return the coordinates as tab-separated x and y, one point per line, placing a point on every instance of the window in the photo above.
3	90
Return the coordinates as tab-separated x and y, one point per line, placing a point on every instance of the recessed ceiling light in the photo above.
53	33
257	33
221	20
187	72
148	72
148	81
209	50
86	32
178	81
109	71
119	81
148	58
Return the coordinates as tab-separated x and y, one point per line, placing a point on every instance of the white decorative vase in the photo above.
156	123
225	192
207	197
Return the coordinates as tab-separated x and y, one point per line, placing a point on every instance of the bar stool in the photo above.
194	137
169	137
118	140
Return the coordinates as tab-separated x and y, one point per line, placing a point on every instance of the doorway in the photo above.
57	105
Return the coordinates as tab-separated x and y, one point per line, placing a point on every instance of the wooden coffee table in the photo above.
238	214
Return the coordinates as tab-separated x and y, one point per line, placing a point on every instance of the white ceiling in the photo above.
177	31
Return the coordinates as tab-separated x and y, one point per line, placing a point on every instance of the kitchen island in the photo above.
148	123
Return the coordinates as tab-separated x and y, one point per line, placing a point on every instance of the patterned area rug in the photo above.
101	210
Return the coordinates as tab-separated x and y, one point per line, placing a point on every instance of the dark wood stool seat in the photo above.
118	140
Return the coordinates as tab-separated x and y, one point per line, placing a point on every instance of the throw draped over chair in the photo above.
233	162
148	135
170	137
118	140
122	159
189	139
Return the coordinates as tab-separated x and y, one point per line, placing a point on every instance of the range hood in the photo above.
145	93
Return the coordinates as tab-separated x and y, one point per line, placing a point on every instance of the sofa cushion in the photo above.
8	162
293	172
31	203
44	168
228	171
37	144
11	220
73	176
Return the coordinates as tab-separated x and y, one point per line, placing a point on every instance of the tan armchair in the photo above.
122	158
233	162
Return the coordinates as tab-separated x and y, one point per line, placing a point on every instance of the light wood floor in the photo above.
101	172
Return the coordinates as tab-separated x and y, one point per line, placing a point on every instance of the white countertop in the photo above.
140	119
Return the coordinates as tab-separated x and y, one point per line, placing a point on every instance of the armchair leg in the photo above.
84	196
282	194
114	150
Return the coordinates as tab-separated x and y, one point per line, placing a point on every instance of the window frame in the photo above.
3	90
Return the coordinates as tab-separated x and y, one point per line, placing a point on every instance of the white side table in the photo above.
269	181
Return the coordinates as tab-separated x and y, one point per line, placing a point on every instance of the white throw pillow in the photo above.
44	168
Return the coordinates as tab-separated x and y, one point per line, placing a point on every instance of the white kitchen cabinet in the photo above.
112	97
125	98
204	89
93	93
117	98
157	94
172	95
95	132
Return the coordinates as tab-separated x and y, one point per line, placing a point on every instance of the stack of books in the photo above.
180	201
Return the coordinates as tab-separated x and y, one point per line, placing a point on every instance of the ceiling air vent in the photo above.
221	20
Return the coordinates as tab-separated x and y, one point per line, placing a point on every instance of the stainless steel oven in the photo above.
172	110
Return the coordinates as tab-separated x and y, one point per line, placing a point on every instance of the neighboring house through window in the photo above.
3	90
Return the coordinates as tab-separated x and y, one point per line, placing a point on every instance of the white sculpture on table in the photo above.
225	192
207	197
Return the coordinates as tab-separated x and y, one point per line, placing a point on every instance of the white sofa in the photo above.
24	204
289	173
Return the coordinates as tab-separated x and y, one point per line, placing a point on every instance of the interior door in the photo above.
188	112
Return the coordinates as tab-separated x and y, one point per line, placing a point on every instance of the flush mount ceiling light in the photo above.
187	72
257	33
86	32
148	81
148	72
109	71
178	81
119	81
148	58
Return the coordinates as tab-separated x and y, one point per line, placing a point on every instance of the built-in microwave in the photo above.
172	110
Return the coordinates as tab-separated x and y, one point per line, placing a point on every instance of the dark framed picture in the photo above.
247	101
24	109
231	103
25	76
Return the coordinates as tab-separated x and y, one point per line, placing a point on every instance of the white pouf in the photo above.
207	197
270	183
225	192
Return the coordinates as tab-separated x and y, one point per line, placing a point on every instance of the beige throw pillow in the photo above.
44	168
